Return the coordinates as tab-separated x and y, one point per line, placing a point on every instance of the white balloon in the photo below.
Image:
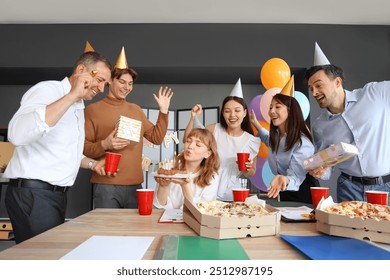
303	102
265	102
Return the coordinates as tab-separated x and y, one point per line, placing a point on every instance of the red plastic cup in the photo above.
145	201
242	158
239	195
317	193
377	197
112	161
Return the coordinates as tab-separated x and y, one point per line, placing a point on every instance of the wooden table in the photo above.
55	243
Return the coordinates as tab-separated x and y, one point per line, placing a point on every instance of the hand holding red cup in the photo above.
242	159
112	162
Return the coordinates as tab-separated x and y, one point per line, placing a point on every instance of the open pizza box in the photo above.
355	227
231	227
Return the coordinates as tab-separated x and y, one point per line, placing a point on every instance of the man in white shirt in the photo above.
48	134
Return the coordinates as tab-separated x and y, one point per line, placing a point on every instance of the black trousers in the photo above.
115	196
303	194
33	211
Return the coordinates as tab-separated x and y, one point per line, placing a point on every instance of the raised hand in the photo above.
80	85
196	110
254	120
163	99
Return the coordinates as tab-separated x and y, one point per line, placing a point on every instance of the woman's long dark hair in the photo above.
295	124
246	123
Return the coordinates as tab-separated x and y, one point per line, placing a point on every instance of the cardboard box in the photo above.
5	225
128	128
330	156
6	234
6	151
356	227
231	227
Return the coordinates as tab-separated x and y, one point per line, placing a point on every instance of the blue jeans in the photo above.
350	190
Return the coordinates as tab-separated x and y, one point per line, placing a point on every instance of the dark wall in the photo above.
363	51
201	62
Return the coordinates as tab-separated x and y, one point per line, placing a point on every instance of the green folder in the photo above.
200	248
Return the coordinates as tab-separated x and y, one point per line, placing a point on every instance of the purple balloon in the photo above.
255	105
257	179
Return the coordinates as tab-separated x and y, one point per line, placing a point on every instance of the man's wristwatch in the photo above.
90	163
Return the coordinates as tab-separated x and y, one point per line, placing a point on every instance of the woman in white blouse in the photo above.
233	134
200	157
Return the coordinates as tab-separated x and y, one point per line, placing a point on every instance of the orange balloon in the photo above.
275	73
263	149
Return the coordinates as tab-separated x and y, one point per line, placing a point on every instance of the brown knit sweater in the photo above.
100	120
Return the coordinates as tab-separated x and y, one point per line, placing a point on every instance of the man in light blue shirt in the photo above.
360	117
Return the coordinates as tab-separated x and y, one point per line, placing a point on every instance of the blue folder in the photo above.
324	247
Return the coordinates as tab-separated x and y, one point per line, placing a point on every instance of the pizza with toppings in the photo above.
361	209
231	209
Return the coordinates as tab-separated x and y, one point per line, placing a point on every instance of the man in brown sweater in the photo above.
100	121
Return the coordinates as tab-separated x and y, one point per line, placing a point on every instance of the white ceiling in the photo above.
370	12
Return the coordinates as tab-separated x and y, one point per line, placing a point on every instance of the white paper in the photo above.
172	215
111	248
295	213
325	203
254	199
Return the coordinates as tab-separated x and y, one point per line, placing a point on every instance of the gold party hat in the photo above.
288	89
88	47
121	62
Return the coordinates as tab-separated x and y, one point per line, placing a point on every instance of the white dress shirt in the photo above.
51	154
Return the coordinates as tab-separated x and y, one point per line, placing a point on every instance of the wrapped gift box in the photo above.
330	156
128	128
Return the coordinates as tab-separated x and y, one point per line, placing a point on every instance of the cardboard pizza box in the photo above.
6	151
4	225
354	227
376	236
6	234
330	156
231	227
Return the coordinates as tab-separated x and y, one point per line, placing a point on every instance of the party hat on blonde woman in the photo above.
237	90
289	89
319	56
121	62
88	47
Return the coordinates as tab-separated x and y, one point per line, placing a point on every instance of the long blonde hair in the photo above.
209	166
